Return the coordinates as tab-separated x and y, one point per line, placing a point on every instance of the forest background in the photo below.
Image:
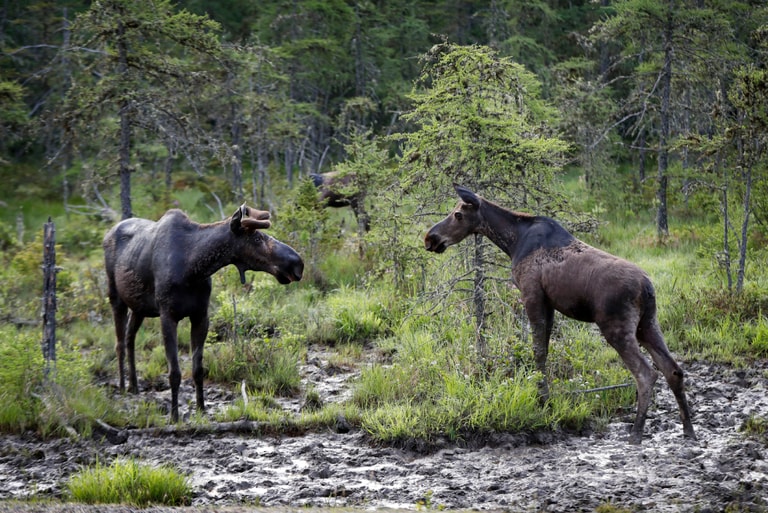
639	124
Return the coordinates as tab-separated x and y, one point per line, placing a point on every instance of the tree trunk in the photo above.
3	19
237	160
642	136
744	225
478	293
65	65
168	172
662	223
49	295
125	127
726	233
237	151
686	128
641	170
261	165
289	163
604	52
359	63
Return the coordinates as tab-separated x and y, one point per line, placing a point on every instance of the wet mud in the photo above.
722	470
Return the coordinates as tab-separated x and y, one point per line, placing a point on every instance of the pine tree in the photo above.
138	70
482	123
665	47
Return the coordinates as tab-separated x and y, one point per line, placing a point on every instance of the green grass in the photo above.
437	389
268	364
64	401
426	380
130	482
756	428
464	407
263	409
350	314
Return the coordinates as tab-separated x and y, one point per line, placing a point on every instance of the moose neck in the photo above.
210	248
502	226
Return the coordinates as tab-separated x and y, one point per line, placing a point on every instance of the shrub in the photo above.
71	401
9	240
265	308
81	237
81	288
341	269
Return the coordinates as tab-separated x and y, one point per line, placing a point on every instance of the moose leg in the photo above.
624	342
542	318
120	315
652	340
198	332
170	341
134	323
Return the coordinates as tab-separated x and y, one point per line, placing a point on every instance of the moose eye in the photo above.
459	216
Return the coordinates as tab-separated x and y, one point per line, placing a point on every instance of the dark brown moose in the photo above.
556	271
163	269
334	193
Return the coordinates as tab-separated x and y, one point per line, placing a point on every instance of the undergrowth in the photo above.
437	389
52	398
429	379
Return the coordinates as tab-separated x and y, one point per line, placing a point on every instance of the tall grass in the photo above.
350	315
274	419
436	389
266	364
130	482
62	402
21	372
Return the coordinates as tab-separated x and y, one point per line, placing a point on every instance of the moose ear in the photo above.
467	196
235	225
250	219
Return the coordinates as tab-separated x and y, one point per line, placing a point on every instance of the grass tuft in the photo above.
269	364
756	428
130	482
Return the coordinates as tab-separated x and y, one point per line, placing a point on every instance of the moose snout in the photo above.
298	269
292	271
433	242
287	265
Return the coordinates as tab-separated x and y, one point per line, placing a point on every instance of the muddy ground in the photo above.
722	470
